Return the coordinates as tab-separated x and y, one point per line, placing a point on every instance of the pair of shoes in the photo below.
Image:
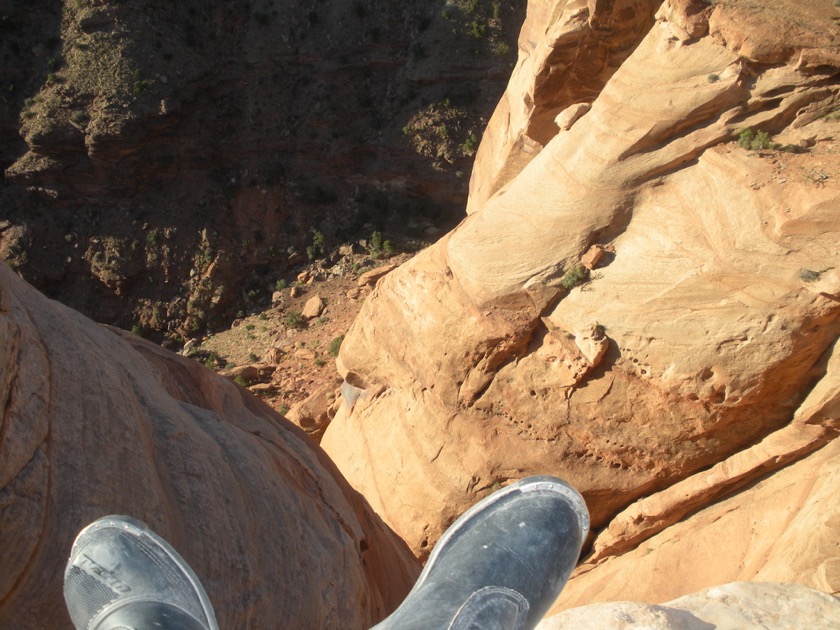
121	575
498	567
502	564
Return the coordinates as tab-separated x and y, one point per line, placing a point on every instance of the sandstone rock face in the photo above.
717	296
784	528
96	421
733	606
568	50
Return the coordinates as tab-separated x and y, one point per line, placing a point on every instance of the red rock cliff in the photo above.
636	302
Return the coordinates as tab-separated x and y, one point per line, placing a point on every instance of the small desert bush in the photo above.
755	140
335	346
293	319
574	276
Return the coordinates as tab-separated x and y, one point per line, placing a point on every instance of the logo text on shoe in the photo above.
97	571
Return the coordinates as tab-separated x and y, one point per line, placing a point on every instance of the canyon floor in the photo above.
285	359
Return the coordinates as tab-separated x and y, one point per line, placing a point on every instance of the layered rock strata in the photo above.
701	339
97	421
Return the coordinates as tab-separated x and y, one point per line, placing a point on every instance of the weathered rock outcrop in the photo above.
729	607
568	51
482	359
96	421
784	528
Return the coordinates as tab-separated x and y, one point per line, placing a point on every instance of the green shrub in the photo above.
320	362
755	140
241	381
335	346
470	145
477	29
574	276
502	49
293	319
252	358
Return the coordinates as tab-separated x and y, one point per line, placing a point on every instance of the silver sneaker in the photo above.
121	575
502	564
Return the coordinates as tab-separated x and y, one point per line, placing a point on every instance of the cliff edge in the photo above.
96	421
644	298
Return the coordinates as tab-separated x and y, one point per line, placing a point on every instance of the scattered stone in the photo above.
305	354
354	293
250	373
266	372
570	115
295	292
263	389
314	414
276	298
593	344
593	256
304	276
370	278
273	355
253	373
314	307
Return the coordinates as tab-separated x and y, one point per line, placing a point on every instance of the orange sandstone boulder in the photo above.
96	421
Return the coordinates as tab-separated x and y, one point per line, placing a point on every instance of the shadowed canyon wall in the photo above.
164	163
